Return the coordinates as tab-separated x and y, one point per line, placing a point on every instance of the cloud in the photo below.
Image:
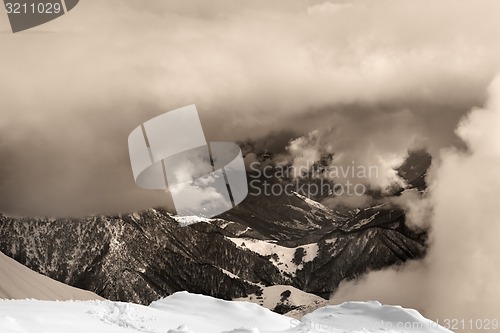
382	75
459	276
417	206
328	8
364	152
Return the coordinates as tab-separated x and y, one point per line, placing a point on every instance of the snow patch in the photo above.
279	255
277	295
184	221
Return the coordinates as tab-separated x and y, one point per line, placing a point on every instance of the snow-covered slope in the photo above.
189	313
283	299
205	314
282	257
368	317
19	282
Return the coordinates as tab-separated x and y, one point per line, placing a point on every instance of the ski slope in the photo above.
188	313
20	282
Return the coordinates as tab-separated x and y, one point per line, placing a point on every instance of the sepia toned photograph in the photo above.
221	166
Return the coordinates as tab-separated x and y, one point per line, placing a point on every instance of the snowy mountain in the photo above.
265	241
146	256
188	313
19	282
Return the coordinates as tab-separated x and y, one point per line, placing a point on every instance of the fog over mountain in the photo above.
459	276
374	78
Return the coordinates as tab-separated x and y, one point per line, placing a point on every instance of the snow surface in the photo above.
188	313
183	312
272	296
19	282
184	221
313	203
369	317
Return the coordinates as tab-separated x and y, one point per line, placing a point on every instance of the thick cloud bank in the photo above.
374	77
459	277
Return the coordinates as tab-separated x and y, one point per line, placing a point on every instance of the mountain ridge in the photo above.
142	257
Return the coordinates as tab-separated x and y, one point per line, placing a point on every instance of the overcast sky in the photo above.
374	78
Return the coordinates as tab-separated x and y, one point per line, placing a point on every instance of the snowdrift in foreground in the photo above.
188	313
18	282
